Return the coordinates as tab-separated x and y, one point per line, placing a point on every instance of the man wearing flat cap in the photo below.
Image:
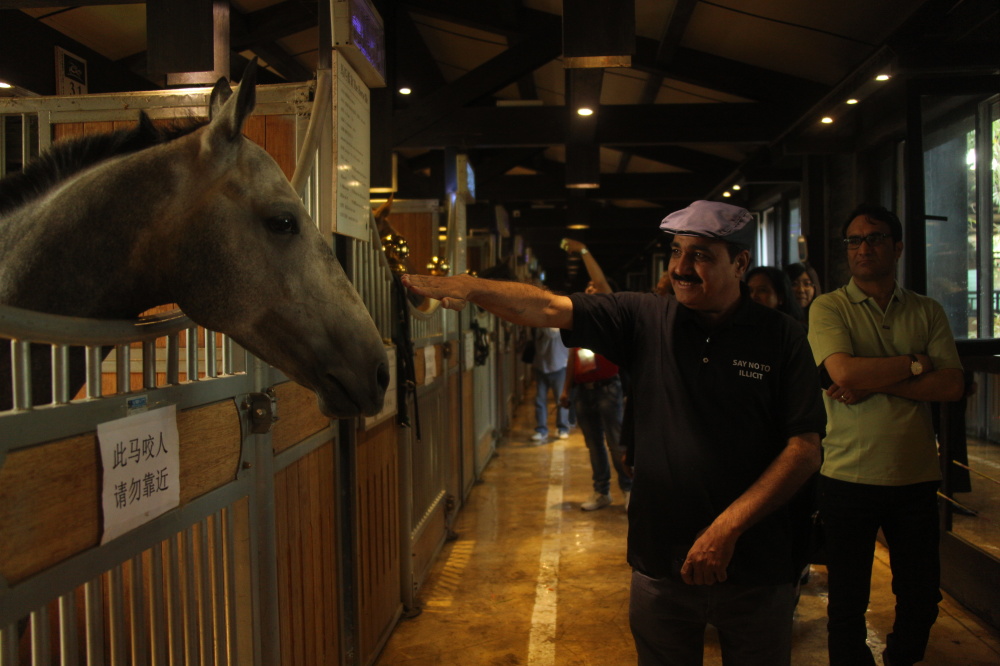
728	420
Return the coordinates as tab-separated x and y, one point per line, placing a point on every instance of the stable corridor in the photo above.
533	580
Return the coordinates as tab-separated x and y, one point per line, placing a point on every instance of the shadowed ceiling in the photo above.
718	94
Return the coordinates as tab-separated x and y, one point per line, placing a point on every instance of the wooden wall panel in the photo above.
298	416
308	594
379	566
468	432
454	429
419	231
50	495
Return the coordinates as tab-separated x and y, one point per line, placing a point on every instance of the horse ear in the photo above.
228	113
220	95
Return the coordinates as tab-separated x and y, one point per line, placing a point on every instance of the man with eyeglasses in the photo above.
889	353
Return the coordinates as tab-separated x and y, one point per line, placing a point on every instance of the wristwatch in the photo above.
584	251
916	367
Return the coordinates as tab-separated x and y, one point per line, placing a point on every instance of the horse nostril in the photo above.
382	375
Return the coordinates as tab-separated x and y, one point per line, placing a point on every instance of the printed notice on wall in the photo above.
430	364
141	462
352	118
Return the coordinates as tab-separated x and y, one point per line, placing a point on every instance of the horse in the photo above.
113	226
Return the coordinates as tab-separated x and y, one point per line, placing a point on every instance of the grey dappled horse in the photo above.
206	220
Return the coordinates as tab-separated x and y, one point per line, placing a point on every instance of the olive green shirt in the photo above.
884	440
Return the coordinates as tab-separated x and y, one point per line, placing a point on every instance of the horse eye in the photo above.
283	224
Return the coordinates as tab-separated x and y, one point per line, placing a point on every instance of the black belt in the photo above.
599	383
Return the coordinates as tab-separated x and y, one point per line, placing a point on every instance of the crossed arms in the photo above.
857	377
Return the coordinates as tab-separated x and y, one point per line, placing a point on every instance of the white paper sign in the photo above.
430	364
352	117
141	461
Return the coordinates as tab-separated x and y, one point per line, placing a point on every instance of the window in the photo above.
962	205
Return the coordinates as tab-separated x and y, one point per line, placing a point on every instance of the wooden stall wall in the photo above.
233	514
378	551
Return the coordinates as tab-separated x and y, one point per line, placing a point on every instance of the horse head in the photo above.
246	259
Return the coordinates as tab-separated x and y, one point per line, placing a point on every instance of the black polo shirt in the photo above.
712	409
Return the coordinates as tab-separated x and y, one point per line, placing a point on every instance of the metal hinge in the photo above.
260	411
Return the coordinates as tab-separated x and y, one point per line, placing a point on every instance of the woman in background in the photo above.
805	285
770	287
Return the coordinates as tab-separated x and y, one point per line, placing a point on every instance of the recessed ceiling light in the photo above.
852	101
578	226
405	91
585	111
727	194
736	187
826	120
882	77
4	84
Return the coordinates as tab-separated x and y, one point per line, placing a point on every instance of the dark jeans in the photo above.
668	619
599	415
908	515
545	382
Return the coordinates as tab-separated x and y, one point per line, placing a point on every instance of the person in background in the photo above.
770	287
805	284
728	420
549	366
594	388
892	350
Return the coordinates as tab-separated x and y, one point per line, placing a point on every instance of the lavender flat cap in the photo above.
711	219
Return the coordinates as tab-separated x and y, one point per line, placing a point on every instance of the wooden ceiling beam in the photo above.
635	186
728	76
620	125
541	48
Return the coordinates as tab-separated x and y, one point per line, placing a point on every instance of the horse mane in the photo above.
67	158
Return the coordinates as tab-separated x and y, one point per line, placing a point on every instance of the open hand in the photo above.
451	291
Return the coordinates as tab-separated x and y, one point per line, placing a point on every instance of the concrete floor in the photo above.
533	580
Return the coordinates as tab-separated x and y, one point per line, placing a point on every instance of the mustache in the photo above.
686	278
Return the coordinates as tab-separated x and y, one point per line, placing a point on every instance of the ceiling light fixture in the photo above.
727	194
736	187
882	77
4	84
405	91
585	111
852	101
826	120
578	226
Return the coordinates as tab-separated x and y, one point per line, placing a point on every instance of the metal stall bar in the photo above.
230	582
40	653
140	646
20	353
218	589
68	640
116	615
95	356
158	635
211	360
173	360
60	375
123	368
192	653
191	358
94	603
205	593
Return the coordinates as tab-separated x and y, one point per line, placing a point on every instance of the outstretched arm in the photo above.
711	553
514	301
